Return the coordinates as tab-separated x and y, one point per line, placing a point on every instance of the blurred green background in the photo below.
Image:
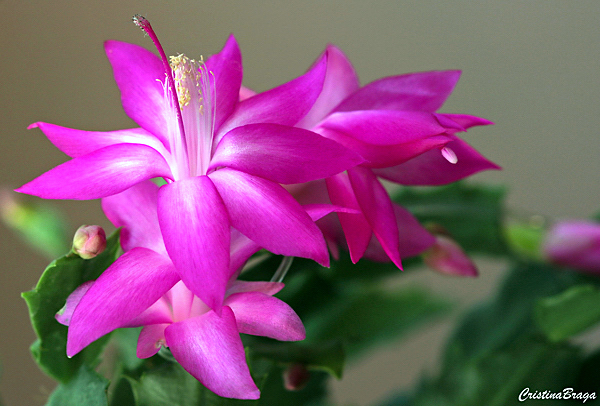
531	66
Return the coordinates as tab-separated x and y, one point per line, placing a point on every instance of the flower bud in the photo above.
295	377
447	257
574	244
89	241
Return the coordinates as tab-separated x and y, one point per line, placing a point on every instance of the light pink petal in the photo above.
102	173
267	214
226	67
282	154
160	312
140	76
423	91
135	210
195	228
285	104
377	208
150	340
246	92
340	82
76	143
355	226
65	314
128	287
209	347
268	288
431	168
262	315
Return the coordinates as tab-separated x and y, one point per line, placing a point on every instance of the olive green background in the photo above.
531	66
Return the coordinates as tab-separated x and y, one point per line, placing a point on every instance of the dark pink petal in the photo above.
574	243
242	248
466	121
128	287
140	76
355	226
102	173
282	154
424	91
318	211
150	340
340	82
76	143
266	213
413	238
384	127
65	314
377	208
226	67
209	347
285	104
268	288
195	228
432	169
159	313
262	315
135	210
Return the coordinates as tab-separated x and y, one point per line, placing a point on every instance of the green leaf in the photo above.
328	356
569	313
166	385
363	319
86	388
57	282
472	214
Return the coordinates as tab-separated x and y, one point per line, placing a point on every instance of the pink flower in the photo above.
223	159
143	288
447	257
575	244
89	241
393	124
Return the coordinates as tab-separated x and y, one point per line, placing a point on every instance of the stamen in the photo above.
283	269
144	24
449	155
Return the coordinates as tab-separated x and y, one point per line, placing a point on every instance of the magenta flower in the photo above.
393	124
223	159
575	244
143	288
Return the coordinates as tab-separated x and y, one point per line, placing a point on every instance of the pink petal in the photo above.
377	208
432	169
129	286
65	314
466	121
246	93
267	214
150	340
285	104
355	226
263	315
413	238
76	143
318	211
424	91
195	228
226	67
102	173
135	210
160	312
242	248
209	347
268	288
140	76
282	154
340	82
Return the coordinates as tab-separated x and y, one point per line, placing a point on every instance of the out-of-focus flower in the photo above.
393	124
575	244
447	257
89	241
223	159
295	377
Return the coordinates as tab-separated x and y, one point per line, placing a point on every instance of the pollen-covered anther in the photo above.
187	75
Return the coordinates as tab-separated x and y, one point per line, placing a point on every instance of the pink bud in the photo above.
575	244
89	241
295	377
447	257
